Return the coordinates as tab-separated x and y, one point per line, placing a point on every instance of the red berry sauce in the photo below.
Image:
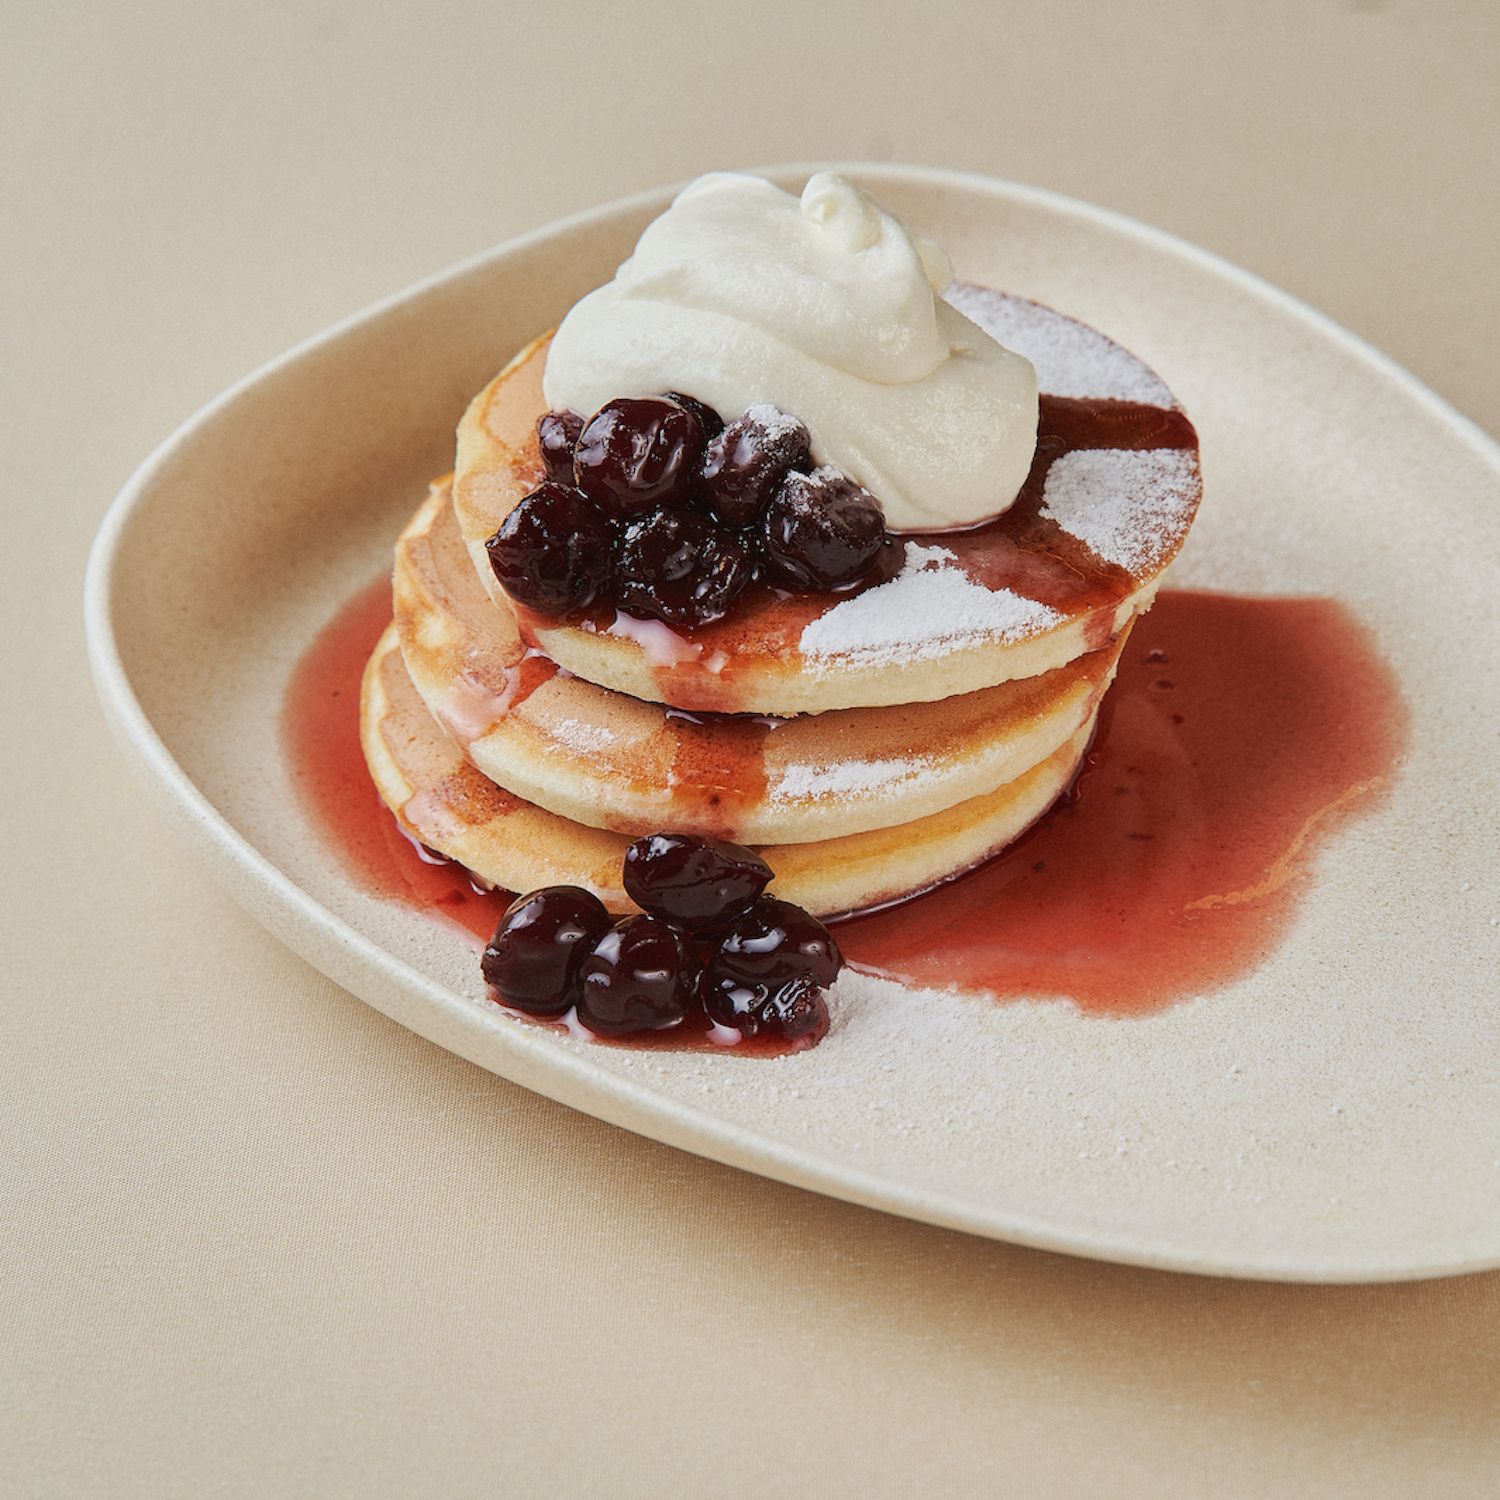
1240	734
320	737
320	734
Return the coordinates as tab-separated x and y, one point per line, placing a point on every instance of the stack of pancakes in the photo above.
870	745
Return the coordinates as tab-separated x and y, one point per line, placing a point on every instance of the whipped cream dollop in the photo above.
828	307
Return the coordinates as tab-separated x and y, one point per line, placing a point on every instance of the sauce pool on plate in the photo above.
1240	733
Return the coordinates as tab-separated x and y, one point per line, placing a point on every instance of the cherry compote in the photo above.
678	567
699	883
658	507
556	436
710	943
641	976
744	464
537	953
637	453
823	531
554	552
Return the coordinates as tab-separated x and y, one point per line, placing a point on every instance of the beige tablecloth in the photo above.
257	1239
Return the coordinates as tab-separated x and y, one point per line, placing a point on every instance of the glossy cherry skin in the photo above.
641	976
554	552
556	436
678	567
793	1009
636	454
537	953
822	531
742	467
708	419
773	942
698	883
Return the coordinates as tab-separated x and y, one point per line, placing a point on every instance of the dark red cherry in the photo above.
641	976
556	434
538	950
638	453
774	942
794	1009
743	465
553	552
823	531
696	882
677	566
708	419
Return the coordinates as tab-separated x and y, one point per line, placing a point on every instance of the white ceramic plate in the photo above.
1335	1116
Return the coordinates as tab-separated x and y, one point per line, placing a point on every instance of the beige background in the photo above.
255	1239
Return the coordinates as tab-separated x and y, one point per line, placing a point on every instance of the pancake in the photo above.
1111	496
440	799
614	762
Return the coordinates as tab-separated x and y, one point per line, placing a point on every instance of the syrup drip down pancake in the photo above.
440	799
614	762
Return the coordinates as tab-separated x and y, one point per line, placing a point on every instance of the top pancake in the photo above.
1113	491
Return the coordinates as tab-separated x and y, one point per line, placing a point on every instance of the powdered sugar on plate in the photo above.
1071	358
1130	508
931	607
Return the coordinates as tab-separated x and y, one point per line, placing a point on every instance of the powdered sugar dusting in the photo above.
919	556
927	610
853	778
775	422
1131	508
583	735
1071	358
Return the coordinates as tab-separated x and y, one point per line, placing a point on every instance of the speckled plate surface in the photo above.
1334	1116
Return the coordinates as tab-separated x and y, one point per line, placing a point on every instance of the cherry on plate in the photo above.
774	942
697	882
538	950
641	976
793	1009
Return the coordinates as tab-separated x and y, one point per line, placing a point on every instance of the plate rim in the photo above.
303	924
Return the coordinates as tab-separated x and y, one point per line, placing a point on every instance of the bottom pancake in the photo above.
440	799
